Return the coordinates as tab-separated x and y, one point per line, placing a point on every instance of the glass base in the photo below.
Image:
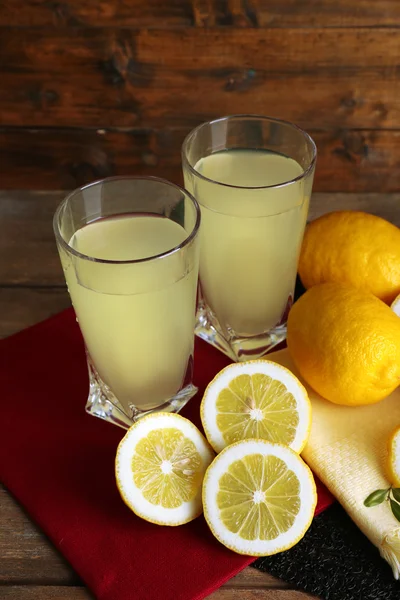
237	348
103	404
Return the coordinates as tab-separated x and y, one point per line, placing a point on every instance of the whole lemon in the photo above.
345	344
355	248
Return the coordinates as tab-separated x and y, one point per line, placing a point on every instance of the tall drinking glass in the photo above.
252	177
129	251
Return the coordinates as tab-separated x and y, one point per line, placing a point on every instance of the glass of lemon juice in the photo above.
252	177
129	251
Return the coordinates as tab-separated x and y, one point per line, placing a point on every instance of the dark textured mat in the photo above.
334	561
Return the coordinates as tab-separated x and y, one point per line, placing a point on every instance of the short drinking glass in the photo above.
252	177
129	251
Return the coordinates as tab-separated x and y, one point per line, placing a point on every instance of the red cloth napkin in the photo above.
59	463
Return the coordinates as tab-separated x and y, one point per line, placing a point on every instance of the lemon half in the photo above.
159	468
393	461
259	498
256	399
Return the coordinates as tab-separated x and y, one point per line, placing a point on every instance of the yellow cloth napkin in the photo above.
347	449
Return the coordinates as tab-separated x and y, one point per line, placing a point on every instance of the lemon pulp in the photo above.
167	468
258	497
257	406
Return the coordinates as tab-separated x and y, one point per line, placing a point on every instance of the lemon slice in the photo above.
395	306
394	457
159	468
258	399
259	498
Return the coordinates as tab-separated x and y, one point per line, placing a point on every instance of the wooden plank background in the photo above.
202	13
101	87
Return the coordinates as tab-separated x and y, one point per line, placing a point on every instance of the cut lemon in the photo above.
394	458
258	399
159	468
259	498
395	306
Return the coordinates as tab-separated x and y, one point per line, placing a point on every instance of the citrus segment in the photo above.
160	466
256	399
167	467
259	498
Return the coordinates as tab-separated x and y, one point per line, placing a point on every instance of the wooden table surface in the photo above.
31	289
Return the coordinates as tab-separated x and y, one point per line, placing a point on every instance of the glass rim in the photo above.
194	131
71	250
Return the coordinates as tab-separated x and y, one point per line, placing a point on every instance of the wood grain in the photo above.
348	161
55	159
253	578
27	242
110	77
47	592
26	554
382	205
23	307
29	592
202	13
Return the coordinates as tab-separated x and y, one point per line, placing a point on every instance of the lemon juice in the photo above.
250	236
137	318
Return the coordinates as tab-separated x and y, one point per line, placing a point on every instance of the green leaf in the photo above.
395	509
396	494
377	497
